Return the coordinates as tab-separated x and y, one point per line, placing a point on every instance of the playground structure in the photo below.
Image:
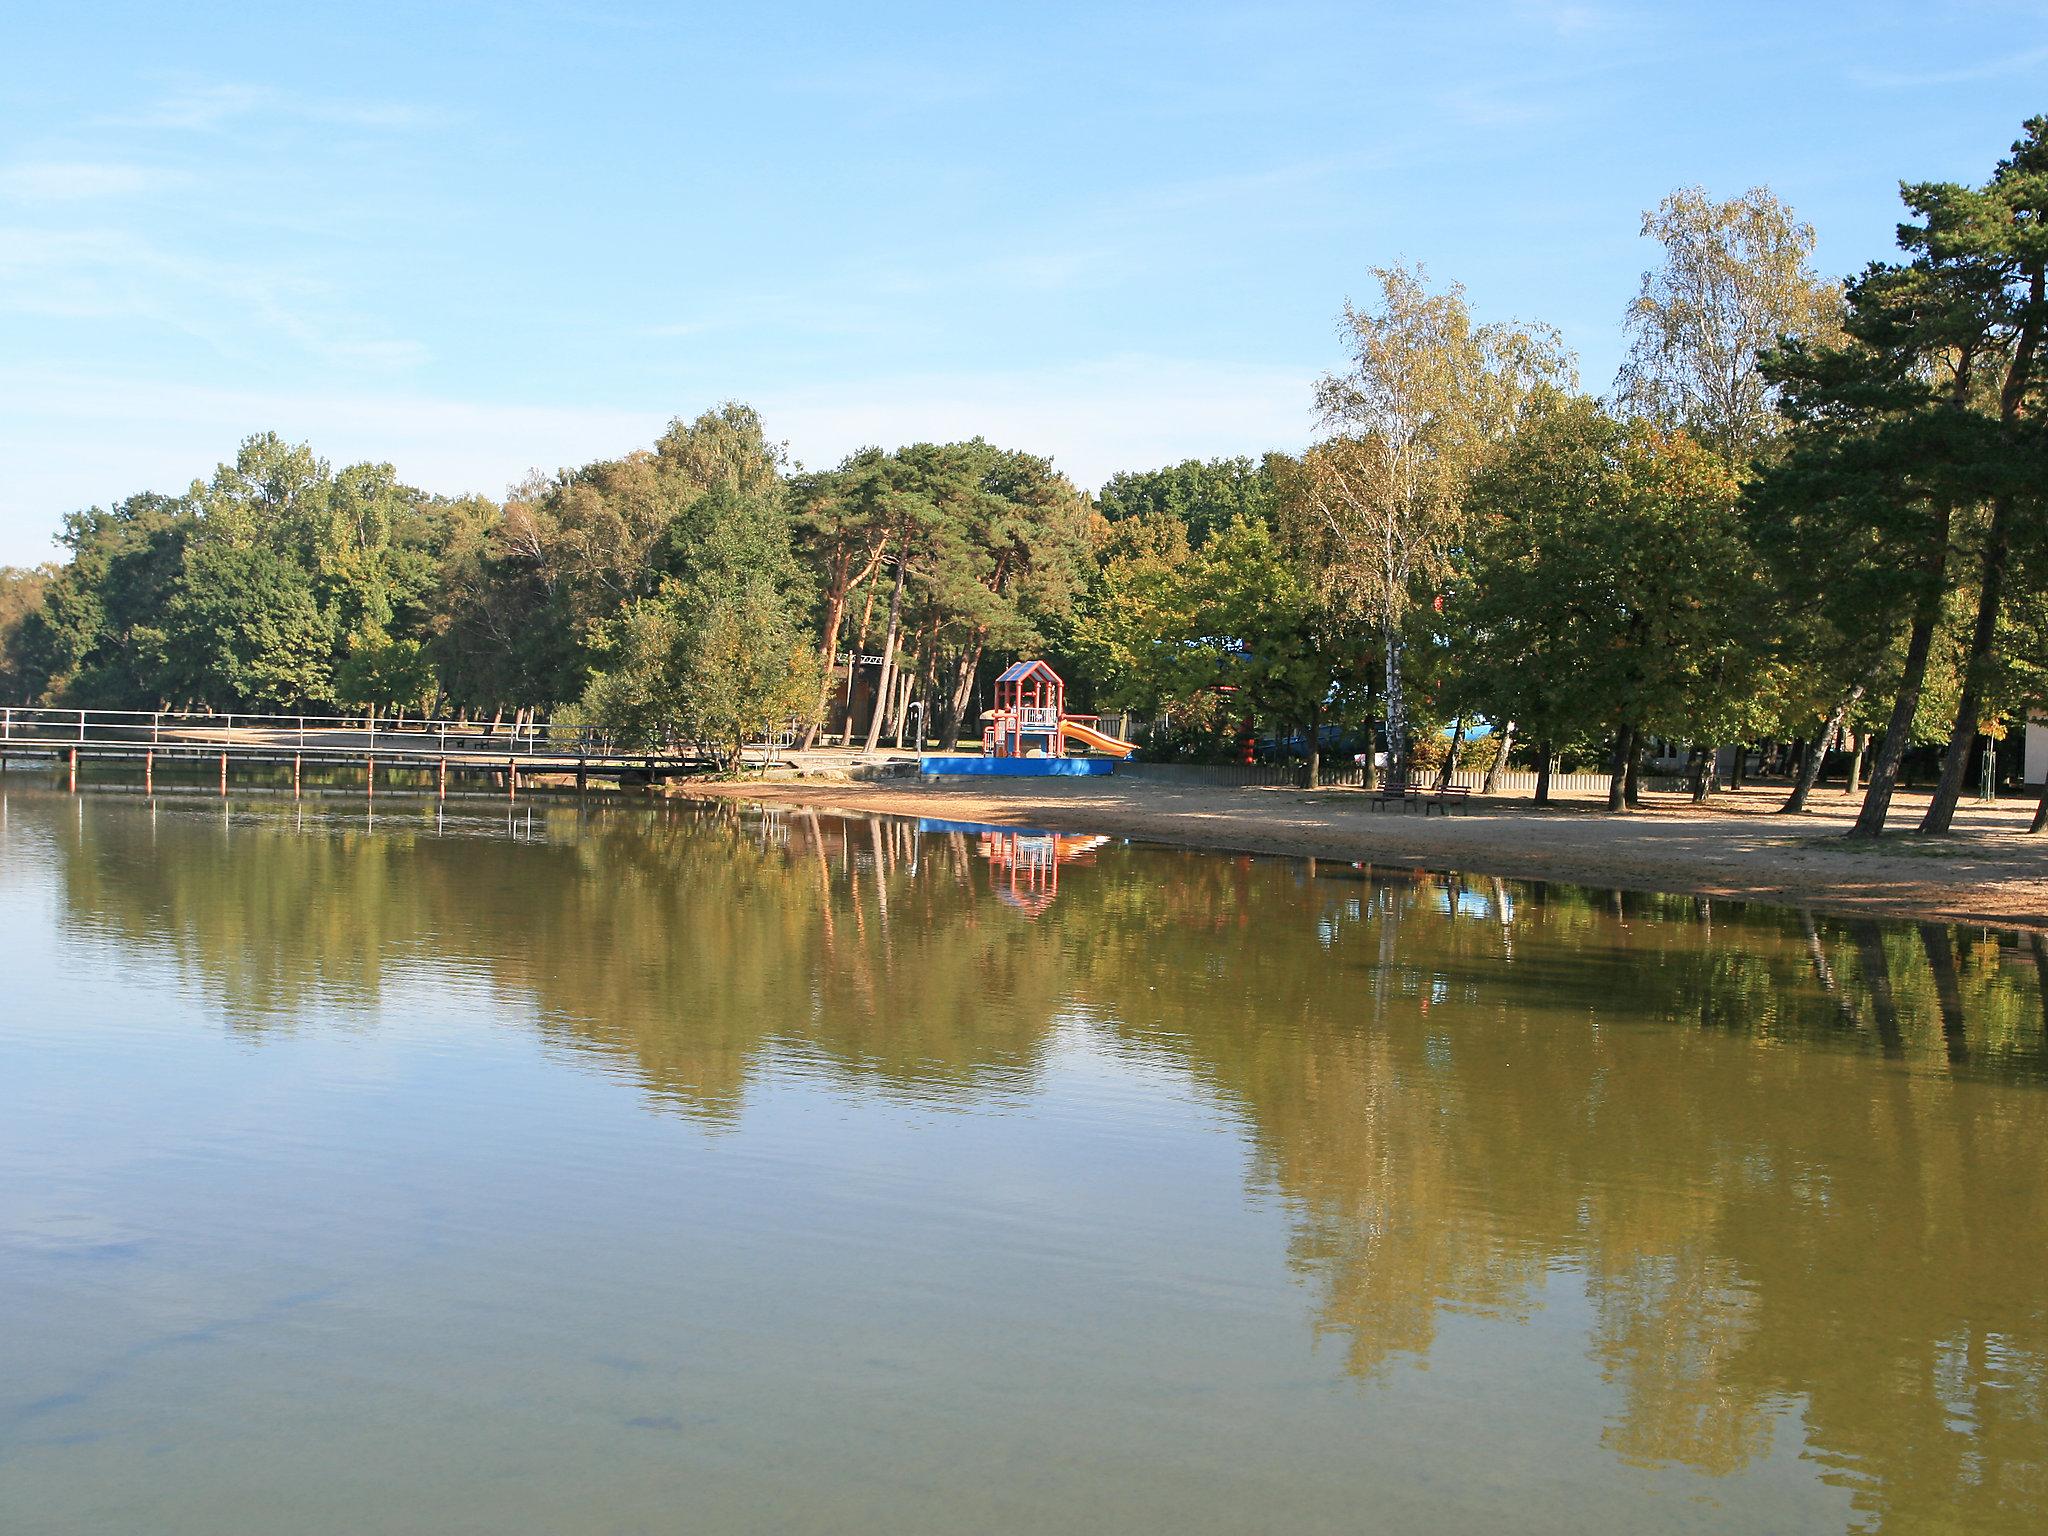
1030	719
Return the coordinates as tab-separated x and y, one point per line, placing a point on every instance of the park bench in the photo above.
1442	801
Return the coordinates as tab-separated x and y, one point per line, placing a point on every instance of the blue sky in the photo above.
480	239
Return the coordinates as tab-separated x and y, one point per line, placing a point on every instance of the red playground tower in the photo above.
1030	718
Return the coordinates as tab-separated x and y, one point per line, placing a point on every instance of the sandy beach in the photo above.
1988	870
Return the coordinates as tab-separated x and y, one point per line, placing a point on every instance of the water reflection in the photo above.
1793	1162
1024	863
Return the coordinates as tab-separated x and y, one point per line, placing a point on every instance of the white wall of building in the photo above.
2037	752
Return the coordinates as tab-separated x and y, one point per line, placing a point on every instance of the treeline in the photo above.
1808	512
696	592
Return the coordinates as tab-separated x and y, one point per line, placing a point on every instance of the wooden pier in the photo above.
503	755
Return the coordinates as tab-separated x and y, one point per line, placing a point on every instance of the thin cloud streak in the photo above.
207	107
1916	79
72	181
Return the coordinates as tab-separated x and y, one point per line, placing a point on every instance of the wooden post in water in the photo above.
370	776
74	770
223	773
149	772
441	780
511	780
295	775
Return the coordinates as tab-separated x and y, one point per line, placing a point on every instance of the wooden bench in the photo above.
1442	801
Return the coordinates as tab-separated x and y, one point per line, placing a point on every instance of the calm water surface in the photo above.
560	1171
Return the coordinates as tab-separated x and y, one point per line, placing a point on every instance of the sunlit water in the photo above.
565	1169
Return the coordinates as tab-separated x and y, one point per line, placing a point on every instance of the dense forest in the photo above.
1809	512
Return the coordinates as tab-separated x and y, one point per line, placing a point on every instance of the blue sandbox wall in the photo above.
1016	767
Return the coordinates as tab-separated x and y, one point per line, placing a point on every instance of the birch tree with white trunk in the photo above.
1428	393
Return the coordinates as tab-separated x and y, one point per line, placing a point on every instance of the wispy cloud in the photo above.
887	85
1914	79
1567	19
239	309
1496	109
71	181
206	107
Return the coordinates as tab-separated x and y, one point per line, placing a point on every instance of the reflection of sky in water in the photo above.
600	1168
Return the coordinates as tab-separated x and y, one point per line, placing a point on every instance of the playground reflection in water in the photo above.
603	1168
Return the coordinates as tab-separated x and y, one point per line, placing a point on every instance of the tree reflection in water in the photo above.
1795	1160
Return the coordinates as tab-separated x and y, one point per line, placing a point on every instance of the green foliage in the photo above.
378	672
1609	580
22	594
1203	496
245	631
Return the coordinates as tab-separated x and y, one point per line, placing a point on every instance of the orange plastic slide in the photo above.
1094	740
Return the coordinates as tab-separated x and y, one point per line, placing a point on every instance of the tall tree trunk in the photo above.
1397	710
1856	762
1817	754
1955	763
1997	555
1633	794
1702	771
1369	771
927	683
885	683
963	687
1315	746
1618	762
828	651
1738	766
2040	821
1499	766
1884	773
906	685
912	684
1450	767
1544	758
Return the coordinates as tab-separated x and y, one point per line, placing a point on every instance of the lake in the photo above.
601	1167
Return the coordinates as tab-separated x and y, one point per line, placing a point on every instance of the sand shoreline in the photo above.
1989	871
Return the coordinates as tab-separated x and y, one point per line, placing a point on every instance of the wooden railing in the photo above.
131	732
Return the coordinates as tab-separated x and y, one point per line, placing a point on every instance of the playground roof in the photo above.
1017	671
